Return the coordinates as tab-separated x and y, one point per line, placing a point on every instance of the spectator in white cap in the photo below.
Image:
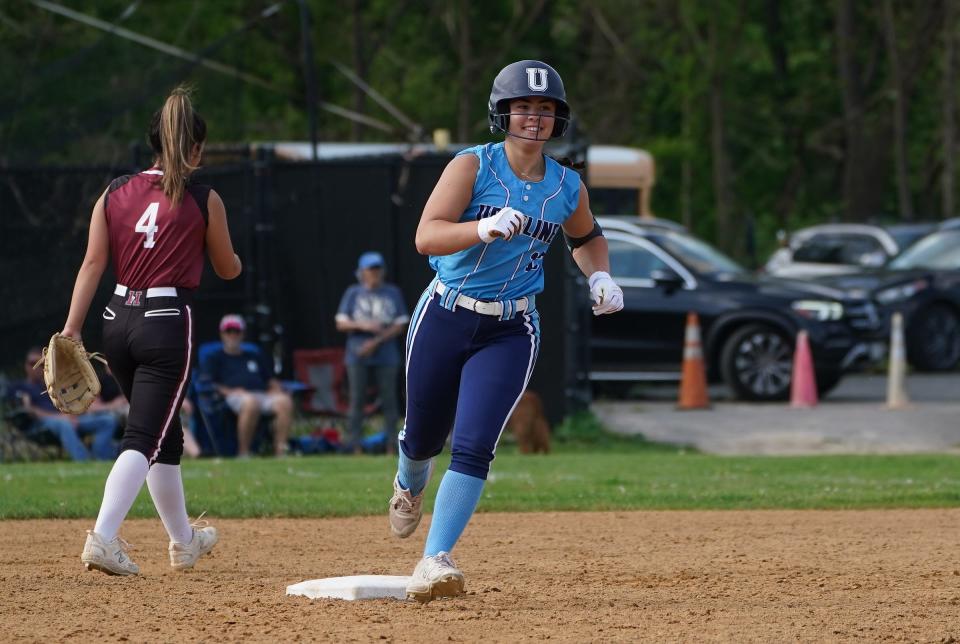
373	314
245	379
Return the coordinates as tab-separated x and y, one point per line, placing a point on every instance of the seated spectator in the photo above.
373	314
246	382
68	429
111	399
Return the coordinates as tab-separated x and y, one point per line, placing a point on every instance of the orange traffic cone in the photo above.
693	381
803	383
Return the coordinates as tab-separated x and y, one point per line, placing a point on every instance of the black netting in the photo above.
299	228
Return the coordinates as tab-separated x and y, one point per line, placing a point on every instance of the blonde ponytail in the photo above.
175	130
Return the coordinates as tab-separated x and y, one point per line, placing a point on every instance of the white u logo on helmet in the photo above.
537	78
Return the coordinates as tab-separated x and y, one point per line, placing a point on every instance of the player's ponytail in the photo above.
174	131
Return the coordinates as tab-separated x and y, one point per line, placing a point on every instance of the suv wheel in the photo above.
933	339
756	363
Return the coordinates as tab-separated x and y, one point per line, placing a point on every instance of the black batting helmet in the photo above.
527	78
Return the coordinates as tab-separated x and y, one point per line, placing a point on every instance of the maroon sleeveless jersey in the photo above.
152	243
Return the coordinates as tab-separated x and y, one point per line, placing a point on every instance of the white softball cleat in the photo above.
406	510
435	577
107	556
185	555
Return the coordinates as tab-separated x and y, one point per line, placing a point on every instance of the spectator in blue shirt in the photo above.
101	422
372	313
245	380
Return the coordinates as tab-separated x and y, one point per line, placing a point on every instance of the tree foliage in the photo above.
770	113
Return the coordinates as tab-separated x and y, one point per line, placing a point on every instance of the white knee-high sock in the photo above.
123	484
166	489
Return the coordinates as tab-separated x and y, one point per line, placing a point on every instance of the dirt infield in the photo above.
621	576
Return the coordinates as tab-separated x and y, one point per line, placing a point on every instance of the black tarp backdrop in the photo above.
299	228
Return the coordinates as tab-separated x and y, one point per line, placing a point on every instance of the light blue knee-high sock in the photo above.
457	498
413	474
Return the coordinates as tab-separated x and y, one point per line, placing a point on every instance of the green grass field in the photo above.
596	474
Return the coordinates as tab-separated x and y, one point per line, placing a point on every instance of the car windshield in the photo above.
840	249
698	255
939	251
906	235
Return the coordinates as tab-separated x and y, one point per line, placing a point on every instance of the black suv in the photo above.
748	323
922	283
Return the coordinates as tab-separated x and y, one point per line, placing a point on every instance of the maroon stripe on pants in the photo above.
175	403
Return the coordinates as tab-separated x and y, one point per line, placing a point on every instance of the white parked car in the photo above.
833	249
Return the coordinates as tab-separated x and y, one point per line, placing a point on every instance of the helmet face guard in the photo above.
527	78
500	120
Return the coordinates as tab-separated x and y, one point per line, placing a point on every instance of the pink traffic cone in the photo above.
803	384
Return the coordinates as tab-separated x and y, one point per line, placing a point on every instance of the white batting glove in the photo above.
607	296
506	223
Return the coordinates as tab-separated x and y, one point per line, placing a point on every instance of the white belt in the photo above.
481	307
156	291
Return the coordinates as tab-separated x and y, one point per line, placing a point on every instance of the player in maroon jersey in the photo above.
155	227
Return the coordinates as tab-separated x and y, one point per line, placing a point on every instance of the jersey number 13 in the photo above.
535	261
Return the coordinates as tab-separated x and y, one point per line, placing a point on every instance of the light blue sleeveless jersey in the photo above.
510	270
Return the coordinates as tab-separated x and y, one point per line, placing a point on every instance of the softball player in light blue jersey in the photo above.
474	336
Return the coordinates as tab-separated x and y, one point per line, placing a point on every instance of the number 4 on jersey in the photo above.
148	224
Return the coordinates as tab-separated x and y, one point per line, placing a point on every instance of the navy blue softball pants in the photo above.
466	373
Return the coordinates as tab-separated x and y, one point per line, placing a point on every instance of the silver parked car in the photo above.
836	249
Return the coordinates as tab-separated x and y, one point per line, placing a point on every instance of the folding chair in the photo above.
325	374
